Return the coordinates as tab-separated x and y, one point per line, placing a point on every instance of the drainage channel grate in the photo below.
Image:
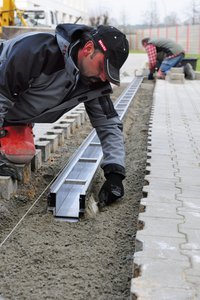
68	192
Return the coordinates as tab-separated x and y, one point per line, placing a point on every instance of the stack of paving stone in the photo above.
176	75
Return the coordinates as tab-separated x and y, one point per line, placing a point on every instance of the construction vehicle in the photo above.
14	20
7	14
17	17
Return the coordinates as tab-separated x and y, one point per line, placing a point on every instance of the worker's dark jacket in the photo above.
39	82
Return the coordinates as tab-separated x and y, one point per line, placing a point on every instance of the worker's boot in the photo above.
17	143
189	72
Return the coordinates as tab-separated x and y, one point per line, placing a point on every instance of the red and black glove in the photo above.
111	190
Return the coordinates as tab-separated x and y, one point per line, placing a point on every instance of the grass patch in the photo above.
198	59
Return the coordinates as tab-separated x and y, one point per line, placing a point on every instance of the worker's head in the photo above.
145	41
103	51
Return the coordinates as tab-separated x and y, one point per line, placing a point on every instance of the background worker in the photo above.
163	54
44	75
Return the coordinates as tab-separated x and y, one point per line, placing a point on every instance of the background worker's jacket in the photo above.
161	49
166	46
39	82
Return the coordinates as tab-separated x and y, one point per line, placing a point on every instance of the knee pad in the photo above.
17	144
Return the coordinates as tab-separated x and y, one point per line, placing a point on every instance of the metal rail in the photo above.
68	192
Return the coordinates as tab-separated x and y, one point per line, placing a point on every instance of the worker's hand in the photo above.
111	190
9	169
150	76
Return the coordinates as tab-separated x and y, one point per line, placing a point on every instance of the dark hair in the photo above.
145	40
87	36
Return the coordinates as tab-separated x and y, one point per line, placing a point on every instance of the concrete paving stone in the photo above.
156	171
190	203
74	116
192	219
159	193
193	239
156	139
8	187
162	210
160	199
158	293
163	161
58	132
83	114
155	130
160	187
163	151
189	191
71	122
168	149
158	179
189	163
40	128
45	148
162	273
160	227
160	149
66	127
25	171
197	143
160	135
175	78
194	256
183	147
195	280
36	162
156	142
161	247
181	156
177	70
188	179
53	139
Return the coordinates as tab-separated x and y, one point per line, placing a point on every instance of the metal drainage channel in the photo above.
67	194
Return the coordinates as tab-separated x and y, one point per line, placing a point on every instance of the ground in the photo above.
91	259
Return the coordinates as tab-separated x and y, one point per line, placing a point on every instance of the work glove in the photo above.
150	76
8	169
111	190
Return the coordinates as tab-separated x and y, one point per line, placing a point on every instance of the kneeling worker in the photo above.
44	75
162	53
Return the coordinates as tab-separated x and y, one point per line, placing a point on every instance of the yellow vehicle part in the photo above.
7	14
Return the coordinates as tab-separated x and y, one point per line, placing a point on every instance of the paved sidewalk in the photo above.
168	264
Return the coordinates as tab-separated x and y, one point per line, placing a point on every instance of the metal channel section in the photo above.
67	194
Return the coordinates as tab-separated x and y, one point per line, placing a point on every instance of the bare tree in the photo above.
193	12
171	19
101	19
151	15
